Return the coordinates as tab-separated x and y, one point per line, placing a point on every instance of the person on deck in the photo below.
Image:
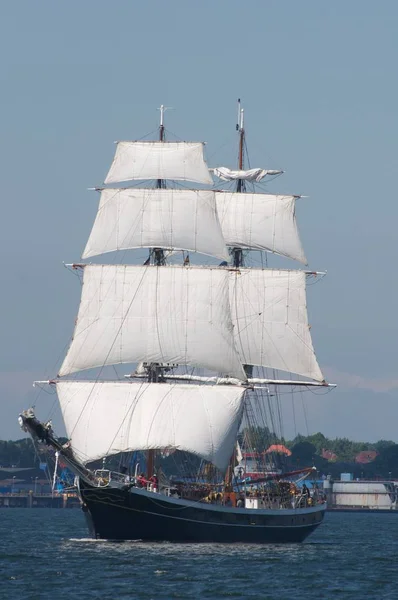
141	481
154	480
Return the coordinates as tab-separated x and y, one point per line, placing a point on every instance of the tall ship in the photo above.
211	336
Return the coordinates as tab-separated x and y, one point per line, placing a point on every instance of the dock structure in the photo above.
348	494
45	500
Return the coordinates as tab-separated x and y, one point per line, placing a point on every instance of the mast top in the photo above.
162	108
240	185
240	123
161	115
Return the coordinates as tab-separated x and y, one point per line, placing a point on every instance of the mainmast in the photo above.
237	261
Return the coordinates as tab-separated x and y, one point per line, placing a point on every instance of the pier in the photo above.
42	500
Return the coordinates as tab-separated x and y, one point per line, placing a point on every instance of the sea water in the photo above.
47	554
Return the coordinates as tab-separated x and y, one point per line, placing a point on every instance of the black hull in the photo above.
134	514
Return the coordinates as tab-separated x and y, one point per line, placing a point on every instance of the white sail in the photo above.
173	314
260	222
109	417
270	317
249	175
181	161
164	218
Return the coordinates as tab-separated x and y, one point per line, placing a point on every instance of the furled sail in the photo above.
173	314
103	418
249	175
165	218
270	320
260	222
181	161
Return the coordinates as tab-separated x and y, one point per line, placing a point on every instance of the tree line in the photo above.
306	451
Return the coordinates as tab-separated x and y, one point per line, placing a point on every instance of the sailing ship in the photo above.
208	341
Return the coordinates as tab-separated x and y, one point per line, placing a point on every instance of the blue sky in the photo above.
318	82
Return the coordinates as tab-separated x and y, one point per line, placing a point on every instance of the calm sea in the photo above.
45	554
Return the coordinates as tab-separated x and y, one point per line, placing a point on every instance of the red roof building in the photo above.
366	456
329	455
279	449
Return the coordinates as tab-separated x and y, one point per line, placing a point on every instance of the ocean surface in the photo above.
46	554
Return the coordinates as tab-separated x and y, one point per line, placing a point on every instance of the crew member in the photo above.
154	481
141	481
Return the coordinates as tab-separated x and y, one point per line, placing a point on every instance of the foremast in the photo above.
154	370
158	257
